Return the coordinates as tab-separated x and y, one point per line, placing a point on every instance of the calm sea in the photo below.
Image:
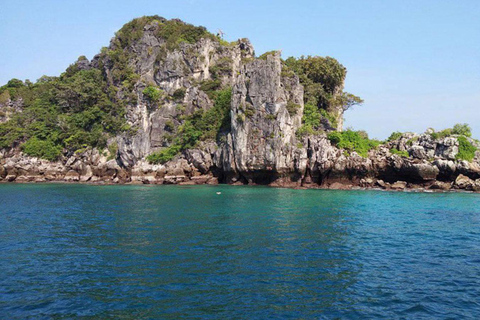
171	252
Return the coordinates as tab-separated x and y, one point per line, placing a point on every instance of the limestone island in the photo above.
171	103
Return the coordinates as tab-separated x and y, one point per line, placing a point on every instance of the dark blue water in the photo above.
169	252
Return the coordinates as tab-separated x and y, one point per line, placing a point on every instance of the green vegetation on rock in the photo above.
179	94
175	32
164	155
222	67
266	54
200	126
461	129
329	116
351	141
310	120
172	31
441	134
411	141
399	153
466	151
45	149
67	112
292	108
112	150
152	94
394	136
120	54
322	79
210	87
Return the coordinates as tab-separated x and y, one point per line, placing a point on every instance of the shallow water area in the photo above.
156	252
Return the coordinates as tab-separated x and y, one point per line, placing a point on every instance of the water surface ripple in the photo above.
170	252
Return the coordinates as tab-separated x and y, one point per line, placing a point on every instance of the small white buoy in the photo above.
219	192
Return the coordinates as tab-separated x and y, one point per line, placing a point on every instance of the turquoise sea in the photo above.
171	252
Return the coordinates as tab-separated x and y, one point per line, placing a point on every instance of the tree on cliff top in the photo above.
322	78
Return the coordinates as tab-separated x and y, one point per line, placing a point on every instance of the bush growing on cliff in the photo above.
179	94
394	136
164	155
330	117
266	54
112	151
345	100
152	94
335	137
217	119
310	120
462	129
441	134
15	83
403	153
15	89
327	72
292	108
321	78
311	116
122	73
11	133
45	149
222	67
210	87
466	151
133	30
353	141
458	129
187	137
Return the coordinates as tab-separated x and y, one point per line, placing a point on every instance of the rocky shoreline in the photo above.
402	186
431	166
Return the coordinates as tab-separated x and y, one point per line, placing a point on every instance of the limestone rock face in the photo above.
447	168
179	74
262	128
418	152
201	159
447	148
322	158
423	171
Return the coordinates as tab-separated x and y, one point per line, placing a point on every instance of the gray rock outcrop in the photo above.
262	139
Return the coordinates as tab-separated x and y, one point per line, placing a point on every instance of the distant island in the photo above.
171	103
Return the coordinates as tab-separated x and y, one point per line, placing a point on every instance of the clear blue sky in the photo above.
415	63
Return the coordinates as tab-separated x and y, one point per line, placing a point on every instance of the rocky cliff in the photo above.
262	144
180	105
